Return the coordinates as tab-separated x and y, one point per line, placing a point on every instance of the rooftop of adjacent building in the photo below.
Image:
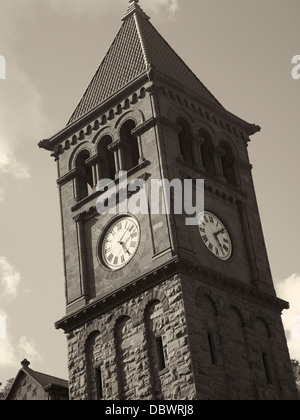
46	381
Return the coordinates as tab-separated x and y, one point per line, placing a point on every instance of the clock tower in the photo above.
155	308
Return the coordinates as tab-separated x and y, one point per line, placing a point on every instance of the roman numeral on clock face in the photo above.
205	238
120	243
215	236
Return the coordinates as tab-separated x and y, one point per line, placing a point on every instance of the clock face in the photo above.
215	236
120	243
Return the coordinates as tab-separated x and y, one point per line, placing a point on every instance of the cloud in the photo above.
12	349
21	108
10	165
2	326
11	352
289	290
9	280
27	349
88	6
7	353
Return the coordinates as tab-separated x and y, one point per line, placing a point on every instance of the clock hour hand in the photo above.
124	247
216	236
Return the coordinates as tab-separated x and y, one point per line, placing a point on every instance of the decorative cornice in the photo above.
95	114
148	281
118	297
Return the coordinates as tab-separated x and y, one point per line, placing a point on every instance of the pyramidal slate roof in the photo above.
137	47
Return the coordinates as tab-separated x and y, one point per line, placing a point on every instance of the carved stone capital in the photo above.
144	127
113	147
93	160
79	217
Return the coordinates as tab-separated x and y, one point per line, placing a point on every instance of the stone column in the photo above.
200	141
116	148
195	150
79	220
93	162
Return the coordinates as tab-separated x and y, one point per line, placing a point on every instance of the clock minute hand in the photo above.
217	239
120	241
219	232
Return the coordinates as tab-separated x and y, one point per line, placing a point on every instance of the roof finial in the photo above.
25	363
135	7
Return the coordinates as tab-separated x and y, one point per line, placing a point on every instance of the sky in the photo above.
241	50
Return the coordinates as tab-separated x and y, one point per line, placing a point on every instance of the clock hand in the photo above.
125	248
220	245
219	232
122	237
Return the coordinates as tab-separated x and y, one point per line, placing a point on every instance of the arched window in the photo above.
184	139
209	355
84	174
207	152
94	367
267	370
154	324
236	348
228	163
107	167
130	145
126	362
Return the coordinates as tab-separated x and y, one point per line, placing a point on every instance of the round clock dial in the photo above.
120	243
215	236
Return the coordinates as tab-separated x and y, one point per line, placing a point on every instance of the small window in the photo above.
184	139
107	165
99	383
160	354
212	348
228	163
207	152
267	368
130	145
85	175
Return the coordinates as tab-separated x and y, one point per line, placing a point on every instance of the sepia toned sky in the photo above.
241	50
